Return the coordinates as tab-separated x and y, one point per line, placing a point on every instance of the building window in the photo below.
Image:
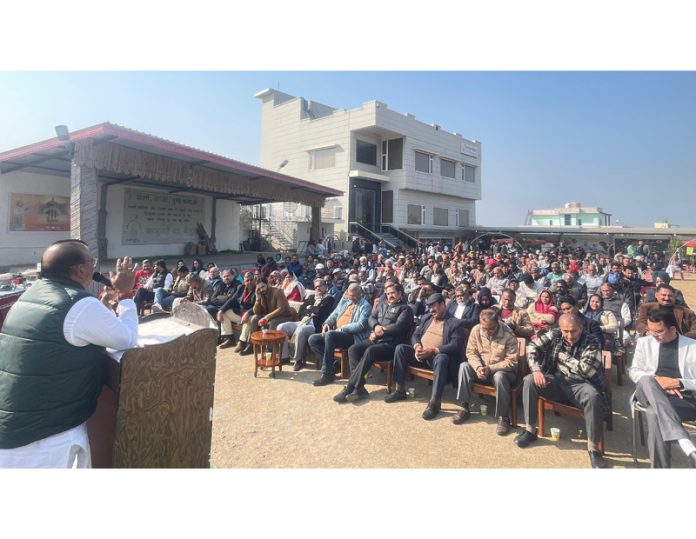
415	214
469	173
462	217
440	216
448	168
566	219
424	162
324	158
366	152
338	212
392	154
550	222
387	206
579	222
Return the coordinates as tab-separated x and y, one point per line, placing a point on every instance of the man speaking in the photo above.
53	358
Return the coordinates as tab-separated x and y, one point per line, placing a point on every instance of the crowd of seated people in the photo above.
441	310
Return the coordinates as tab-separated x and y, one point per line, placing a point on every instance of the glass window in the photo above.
415	214
462	217
366	152
394	154
566	219
424	162
448	168
469	173
324	158
387	206
440	216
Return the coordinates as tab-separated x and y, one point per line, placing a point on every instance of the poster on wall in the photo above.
157	217
39	213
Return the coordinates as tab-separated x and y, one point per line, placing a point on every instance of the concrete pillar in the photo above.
83	206
315	230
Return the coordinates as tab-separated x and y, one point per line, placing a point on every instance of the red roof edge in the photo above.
109	129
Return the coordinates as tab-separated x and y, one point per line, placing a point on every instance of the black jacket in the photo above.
396	320
454	338
236	302
320	312
470	317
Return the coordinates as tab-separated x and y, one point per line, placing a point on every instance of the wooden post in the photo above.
83	205
213	221
315	230
102	242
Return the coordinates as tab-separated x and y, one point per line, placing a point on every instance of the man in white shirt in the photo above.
52	358
664	370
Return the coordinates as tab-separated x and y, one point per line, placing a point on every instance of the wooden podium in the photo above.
156	409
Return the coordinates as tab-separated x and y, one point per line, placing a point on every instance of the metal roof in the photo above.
53	156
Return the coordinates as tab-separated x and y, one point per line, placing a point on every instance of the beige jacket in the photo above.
500	352
520	322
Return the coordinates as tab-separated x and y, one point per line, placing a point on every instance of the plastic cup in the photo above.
484	409
268	356
555	434
411	391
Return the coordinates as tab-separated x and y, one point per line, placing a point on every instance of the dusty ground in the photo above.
287	423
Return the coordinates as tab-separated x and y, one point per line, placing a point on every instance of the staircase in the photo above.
278	234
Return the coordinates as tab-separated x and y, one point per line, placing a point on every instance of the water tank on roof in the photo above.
572	205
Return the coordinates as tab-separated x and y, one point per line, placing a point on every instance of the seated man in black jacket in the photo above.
390	324
437	344
219	293
315	309
237	308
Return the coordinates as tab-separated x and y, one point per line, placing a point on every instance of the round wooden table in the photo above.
270	342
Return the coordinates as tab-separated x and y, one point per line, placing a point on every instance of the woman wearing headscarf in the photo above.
543	312
485	298
292	288
594	310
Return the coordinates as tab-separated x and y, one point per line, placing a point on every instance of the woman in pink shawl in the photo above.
543	312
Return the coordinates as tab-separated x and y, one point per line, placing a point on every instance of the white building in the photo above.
572	214
396	172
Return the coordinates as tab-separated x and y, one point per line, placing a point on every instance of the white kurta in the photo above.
87	322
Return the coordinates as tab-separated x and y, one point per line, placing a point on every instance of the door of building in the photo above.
365	204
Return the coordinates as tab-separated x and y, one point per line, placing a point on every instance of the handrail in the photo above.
369	233
410	240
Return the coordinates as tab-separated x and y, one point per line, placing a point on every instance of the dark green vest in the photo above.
47	385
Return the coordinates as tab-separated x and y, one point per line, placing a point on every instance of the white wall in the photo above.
288	133
19	248
227	232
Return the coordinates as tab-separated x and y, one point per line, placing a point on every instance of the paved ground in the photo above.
287	423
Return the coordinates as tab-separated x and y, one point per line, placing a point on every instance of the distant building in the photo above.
572	214
396	172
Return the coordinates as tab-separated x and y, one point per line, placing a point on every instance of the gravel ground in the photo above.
285	422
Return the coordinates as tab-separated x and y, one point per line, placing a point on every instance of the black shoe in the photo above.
462	415
597	460
395	396
246	351
525	438
226	343
341	397
692	459
431	411
357	394
325	380
297	366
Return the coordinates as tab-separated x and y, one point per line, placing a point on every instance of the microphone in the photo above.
101	279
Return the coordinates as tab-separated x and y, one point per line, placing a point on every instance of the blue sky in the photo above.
611	139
